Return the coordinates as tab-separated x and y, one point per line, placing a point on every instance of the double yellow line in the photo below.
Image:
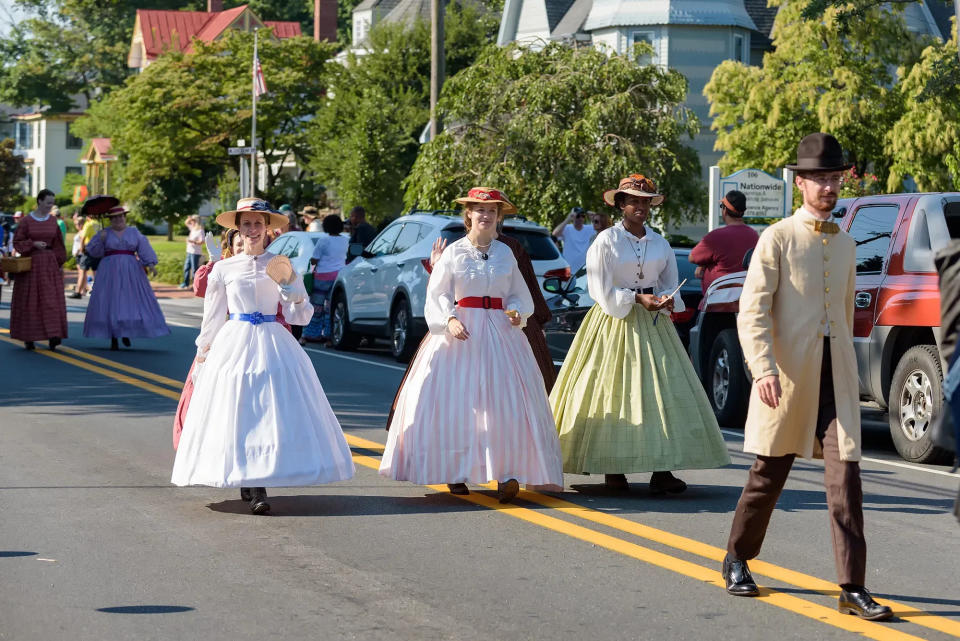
572	525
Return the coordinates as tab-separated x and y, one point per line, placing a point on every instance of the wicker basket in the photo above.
15	264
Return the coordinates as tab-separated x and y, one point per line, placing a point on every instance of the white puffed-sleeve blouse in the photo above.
619	263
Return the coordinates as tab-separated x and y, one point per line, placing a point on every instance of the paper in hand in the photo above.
674	292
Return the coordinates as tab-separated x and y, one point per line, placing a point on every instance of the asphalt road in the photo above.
96	544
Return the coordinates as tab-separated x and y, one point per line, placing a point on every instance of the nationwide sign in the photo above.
239	151
766	194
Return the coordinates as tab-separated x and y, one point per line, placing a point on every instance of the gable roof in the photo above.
942	12
610	13
100	149
572	21
176	30
556	10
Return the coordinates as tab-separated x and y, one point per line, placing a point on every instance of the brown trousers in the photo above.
844	494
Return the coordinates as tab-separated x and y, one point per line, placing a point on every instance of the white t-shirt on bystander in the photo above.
575	245
196	235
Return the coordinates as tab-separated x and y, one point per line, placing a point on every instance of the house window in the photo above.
72	141
739	52
24	135
643	36
26	185
73	170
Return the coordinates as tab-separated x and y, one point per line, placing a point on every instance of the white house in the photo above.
49	149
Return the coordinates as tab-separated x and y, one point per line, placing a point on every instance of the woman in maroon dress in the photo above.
39	309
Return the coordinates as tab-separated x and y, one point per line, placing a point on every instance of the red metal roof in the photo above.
284	29
164	30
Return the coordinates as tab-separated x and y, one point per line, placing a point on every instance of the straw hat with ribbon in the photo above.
488	195
116	211
635	185
274	218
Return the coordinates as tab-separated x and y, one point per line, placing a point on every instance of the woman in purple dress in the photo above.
123	304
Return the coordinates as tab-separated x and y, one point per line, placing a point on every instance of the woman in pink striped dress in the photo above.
474	408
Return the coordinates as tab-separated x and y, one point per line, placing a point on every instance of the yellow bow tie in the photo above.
824	226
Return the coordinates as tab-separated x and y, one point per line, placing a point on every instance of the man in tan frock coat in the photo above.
796	330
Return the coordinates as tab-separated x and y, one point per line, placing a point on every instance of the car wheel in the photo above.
340	335
402	341
726	380
916	397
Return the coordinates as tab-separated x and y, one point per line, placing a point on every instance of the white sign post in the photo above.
767	196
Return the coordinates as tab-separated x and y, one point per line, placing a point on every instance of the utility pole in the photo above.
437	58
253	127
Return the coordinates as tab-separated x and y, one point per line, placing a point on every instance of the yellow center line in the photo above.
116	365
692	546
710	576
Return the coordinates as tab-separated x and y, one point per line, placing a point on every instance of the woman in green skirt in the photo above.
627	398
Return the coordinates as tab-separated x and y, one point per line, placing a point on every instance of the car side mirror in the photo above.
553	285
746	258
355	250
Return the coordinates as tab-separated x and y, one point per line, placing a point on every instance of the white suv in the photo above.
381	292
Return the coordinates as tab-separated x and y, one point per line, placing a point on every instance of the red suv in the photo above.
896	318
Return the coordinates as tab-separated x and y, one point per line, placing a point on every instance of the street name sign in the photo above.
239	151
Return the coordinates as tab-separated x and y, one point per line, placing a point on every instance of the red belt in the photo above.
481	302
114	252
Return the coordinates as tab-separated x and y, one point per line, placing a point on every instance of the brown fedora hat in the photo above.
820	152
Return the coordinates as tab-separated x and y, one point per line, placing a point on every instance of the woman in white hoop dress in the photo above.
258	417
473	408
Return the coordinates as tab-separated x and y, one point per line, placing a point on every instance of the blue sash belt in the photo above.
255	318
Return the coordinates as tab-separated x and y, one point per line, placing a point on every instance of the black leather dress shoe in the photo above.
737	577
28	345
458	488
54	342
663	482
258	504
246	494
616	482
860	603
125	341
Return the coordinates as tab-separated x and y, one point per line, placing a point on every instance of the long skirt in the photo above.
38	310
123	303
258	416
319	326
474	411
628	400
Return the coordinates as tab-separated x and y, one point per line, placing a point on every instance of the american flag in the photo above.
259	84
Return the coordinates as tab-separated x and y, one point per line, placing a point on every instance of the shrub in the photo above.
169	270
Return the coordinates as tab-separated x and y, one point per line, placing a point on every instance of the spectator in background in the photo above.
721	251
361	231
86	265
195	244
600	222
575	238
62	225
329	257
293	224
311	219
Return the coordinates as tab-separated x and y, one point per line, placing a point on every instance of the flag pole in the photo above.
253	130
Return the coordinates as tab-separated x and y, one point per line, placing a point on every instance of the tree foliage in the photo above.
818	78
558	126
68	48
171	124
366	136
12	171
925	141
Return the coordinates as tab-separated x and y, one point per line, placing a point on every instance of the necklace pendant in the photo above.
641	274
484	256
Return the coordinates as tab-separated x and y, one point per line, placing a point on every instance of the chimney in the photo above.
325	20
214	6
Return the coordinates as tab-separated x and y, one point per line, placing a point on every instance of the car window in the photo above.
408	237
276	247
951	211
453	234
383	244
872	230
292	248
686	269
539	246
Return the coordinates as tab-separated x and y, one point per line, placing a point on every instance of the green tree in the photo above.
12	171
818	78
556	127
366	137
925	141
66	48
172	123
